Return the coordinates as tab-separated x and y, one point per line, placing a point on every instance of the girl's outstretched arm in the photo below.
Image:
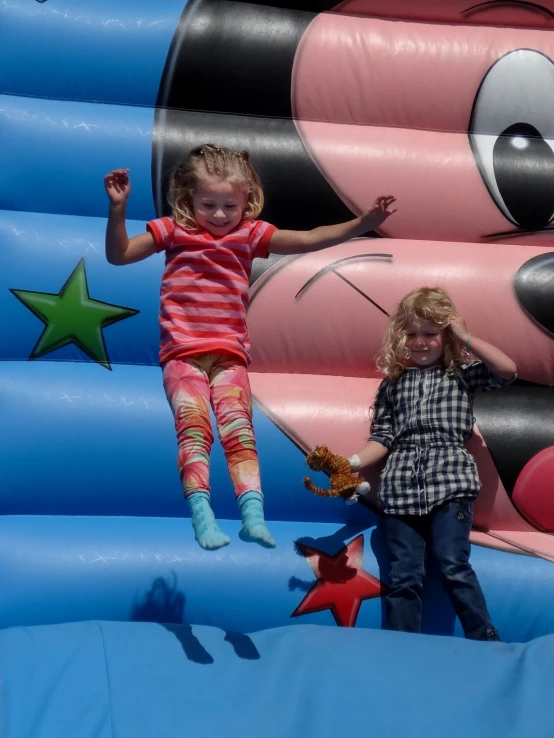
493	357
120	249
301	242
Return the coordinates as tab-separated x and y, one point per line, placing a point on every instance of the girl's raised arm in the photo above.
301	242
495	359
120	249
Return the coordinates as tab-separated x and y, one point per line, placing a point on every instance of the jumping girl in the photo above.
210	242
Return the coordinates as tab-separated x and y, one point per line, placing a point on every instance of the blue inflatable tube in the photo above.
77	50
93	432
87	140
62	568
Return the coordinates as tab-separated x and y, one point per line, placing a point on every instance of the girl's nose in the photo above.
220	214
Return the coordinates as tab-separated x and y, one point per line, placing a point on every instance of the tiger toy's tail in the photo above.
319	490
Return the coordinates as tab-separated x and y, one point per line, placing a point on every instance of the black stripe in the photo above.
297	195
233	57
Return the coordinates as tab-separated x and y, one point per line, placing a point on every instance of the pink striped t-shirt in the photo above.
204	291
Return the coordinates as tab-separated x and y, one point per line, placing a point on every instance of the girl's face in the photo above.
218	205
425	342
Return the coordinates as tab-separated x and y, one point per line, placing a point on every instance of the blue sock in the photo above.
206	530
254	528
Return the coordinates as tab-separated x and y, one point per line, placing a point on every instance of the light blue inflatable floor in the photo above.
141	680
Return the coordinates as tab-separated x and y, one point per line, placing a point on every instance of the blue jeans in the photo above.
446	529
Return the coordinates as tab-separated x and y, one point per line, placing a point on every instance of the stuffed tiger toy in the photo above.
343	483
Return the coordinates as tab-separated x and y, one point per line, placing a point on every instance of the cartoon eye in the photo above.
511	133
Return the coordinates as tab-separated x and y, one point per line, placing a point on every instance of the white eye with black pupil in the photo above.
512	137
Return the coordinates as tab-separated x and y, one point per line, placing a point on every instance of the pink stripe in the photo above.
200	328
216	275
234	246
204	343
166	325
201	310
240	235
204	264
224	256
259	235
223	296
212	276
190	248
163	230
229	322
244	231
264	232
182	292
182	235
197	284
244	261
232	262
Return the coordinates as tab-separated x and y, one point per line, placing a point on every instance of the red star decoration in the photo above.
341	584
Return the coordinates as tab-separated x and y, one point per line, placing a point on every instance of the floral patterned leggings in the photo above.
191	386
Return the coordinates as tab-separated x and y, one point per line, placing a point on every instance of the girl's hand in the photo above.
118	186
459	328
380	211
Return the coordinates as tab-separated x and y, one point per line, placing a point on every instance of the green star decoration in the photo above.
72	316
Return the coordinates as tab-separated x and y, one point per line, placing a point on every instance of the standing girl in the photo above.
210	242
423	416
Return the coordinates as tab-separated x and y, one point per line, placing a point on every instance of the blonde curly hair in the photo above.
211	160
426	303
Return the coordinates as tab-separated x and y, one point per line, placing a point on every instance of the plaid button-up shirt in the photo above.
425	418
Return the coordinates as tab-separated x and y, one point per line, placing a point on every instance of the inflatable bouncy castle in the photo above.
114	623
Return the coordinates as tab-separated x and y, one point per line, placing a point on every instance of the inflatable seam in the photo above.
50	98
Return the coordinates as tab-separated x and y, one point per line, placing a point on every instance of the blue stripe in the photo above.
55	154
120	568
112	436
86	49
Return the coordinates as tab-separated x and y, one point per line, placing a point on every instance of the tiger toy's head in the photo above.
320	459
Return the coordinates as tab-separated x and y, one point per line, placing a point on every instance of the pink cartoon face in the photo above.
457	121
447	105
